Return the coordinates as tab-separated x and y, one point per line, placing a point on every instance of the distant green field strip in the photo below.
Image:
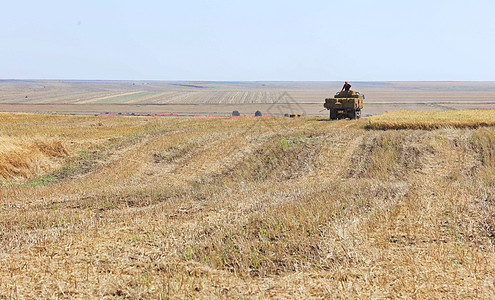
66	98
127	98
157	97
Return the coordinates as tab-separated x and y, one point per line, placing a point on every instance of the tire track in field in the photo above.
209	155
168	167
337	153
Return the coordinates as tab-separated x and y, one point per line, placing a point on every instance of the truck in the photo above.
345	104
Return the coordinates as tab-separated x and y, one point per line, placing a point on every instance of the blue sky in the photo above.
361	40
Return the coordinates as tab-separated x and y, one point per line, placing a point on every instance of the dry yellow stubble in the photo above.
432	119
245	207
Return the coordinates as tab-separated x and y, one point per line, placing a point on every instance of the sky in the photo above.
220	40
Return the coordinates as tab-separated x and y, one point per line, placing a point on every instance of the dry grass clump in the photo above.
22	158
429	120
251	207
32	146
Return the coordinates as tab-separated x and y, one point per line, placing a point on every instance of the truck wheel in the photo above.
352	115
333	114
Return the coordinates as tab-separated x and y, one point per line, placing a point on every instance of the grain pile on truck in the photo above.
345	104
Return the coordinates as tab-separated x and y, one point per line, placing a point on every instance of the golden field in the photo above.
146	207
432	119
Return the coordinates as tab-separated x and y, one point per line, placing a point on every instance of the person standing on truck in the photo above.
346	87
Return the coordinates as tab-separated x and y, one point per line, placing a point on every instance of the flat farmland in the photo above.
210	98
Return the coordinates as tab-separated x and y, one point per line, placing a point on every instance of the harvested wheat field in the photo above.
432	119
147	207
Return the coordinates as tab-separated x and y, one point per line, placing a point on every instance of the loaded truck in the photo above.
345	104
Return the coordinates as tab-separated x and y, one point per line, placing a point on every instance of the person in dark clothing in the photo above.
346	87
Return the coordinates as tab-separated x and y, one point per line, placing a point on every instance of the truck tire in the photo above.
333	114
352	114
355	114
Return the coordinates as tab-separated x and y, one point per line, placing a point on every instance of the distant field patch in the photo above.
432	119
129	97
